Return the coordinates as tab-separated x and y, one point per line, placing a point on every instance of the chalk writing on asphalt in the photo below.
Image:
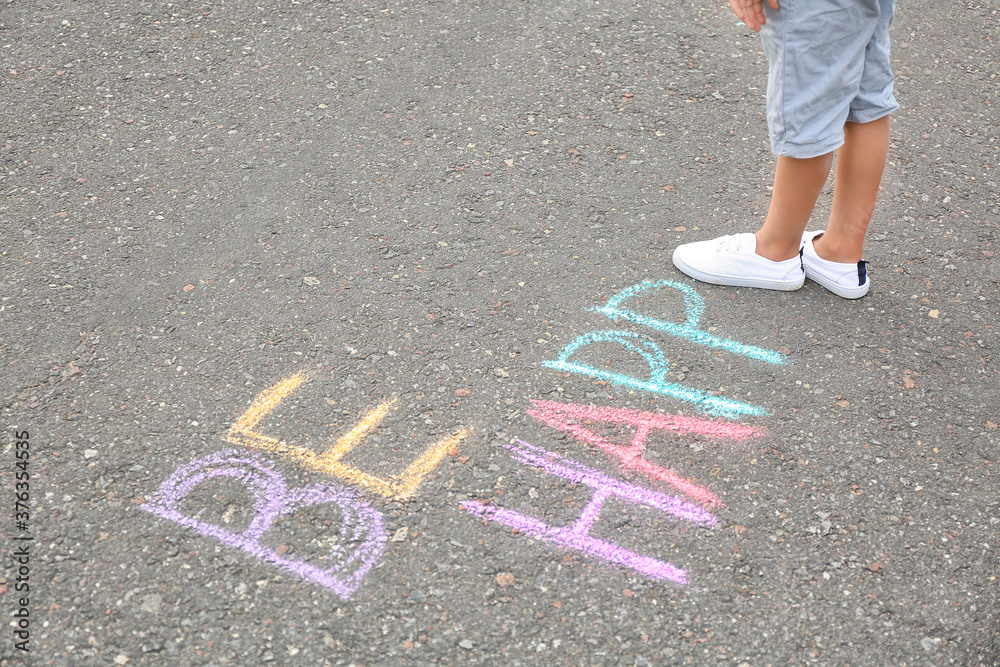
689	328
641	344
361	535
576	536
399	486
570	418
657	383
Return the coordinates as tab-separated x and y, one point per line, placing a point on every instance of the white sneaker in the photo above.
732	260
843	279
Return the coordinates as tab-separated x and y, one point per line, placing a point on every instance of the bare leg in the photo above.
797	184
860	162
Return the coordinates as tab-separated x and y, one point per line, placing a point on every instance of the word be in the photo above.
651	353
567	417
362	536
576	536
399	486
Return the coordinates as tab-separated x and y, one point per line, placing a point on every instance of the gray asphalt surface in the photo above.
420	201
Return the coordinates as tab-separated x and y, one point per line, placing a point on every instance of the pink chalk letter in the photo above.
361	532
577	535
567	417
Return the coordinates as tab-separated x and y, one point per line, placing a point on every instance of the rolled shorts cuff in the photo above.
869	115
806	151
822	147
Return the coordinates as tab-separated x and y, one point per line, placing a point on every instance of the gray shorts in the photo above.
829	64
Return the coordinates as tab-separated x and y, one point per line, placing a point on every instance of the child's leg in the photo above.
827	65
797	184
860	162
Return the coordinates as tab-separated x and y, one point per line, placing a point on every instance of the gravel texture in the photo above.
420	201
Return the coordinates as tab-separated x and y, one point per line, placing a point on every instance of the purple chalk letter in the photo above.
577	535
361	532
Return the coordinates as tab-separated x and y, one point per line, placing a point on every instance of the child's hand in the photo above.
751	12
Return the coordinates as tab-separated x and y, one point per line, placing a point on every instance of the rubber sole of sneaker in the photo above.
839	290
737	281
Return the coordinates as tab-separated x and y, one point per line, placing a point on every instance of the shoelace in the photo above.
728	243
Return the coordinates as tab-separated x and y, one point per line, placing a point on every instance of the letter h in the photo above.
577	536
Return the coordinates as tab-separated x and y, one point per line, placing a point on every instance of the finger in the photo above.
737	8
744	10
756	9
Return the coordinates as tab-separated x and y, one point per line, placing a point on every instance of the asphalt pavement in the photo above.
347	334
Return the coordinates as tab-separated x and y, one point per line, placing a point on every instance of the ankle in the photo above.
776	250
827	248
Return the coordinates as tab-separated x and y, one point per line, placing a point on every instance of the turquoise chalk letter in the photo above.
689	329
658	368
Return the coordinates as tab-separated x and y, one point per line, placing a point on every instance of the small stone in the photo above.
466	644
188	287
121	659
930	643
504	579
89	453
151	603
400	535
